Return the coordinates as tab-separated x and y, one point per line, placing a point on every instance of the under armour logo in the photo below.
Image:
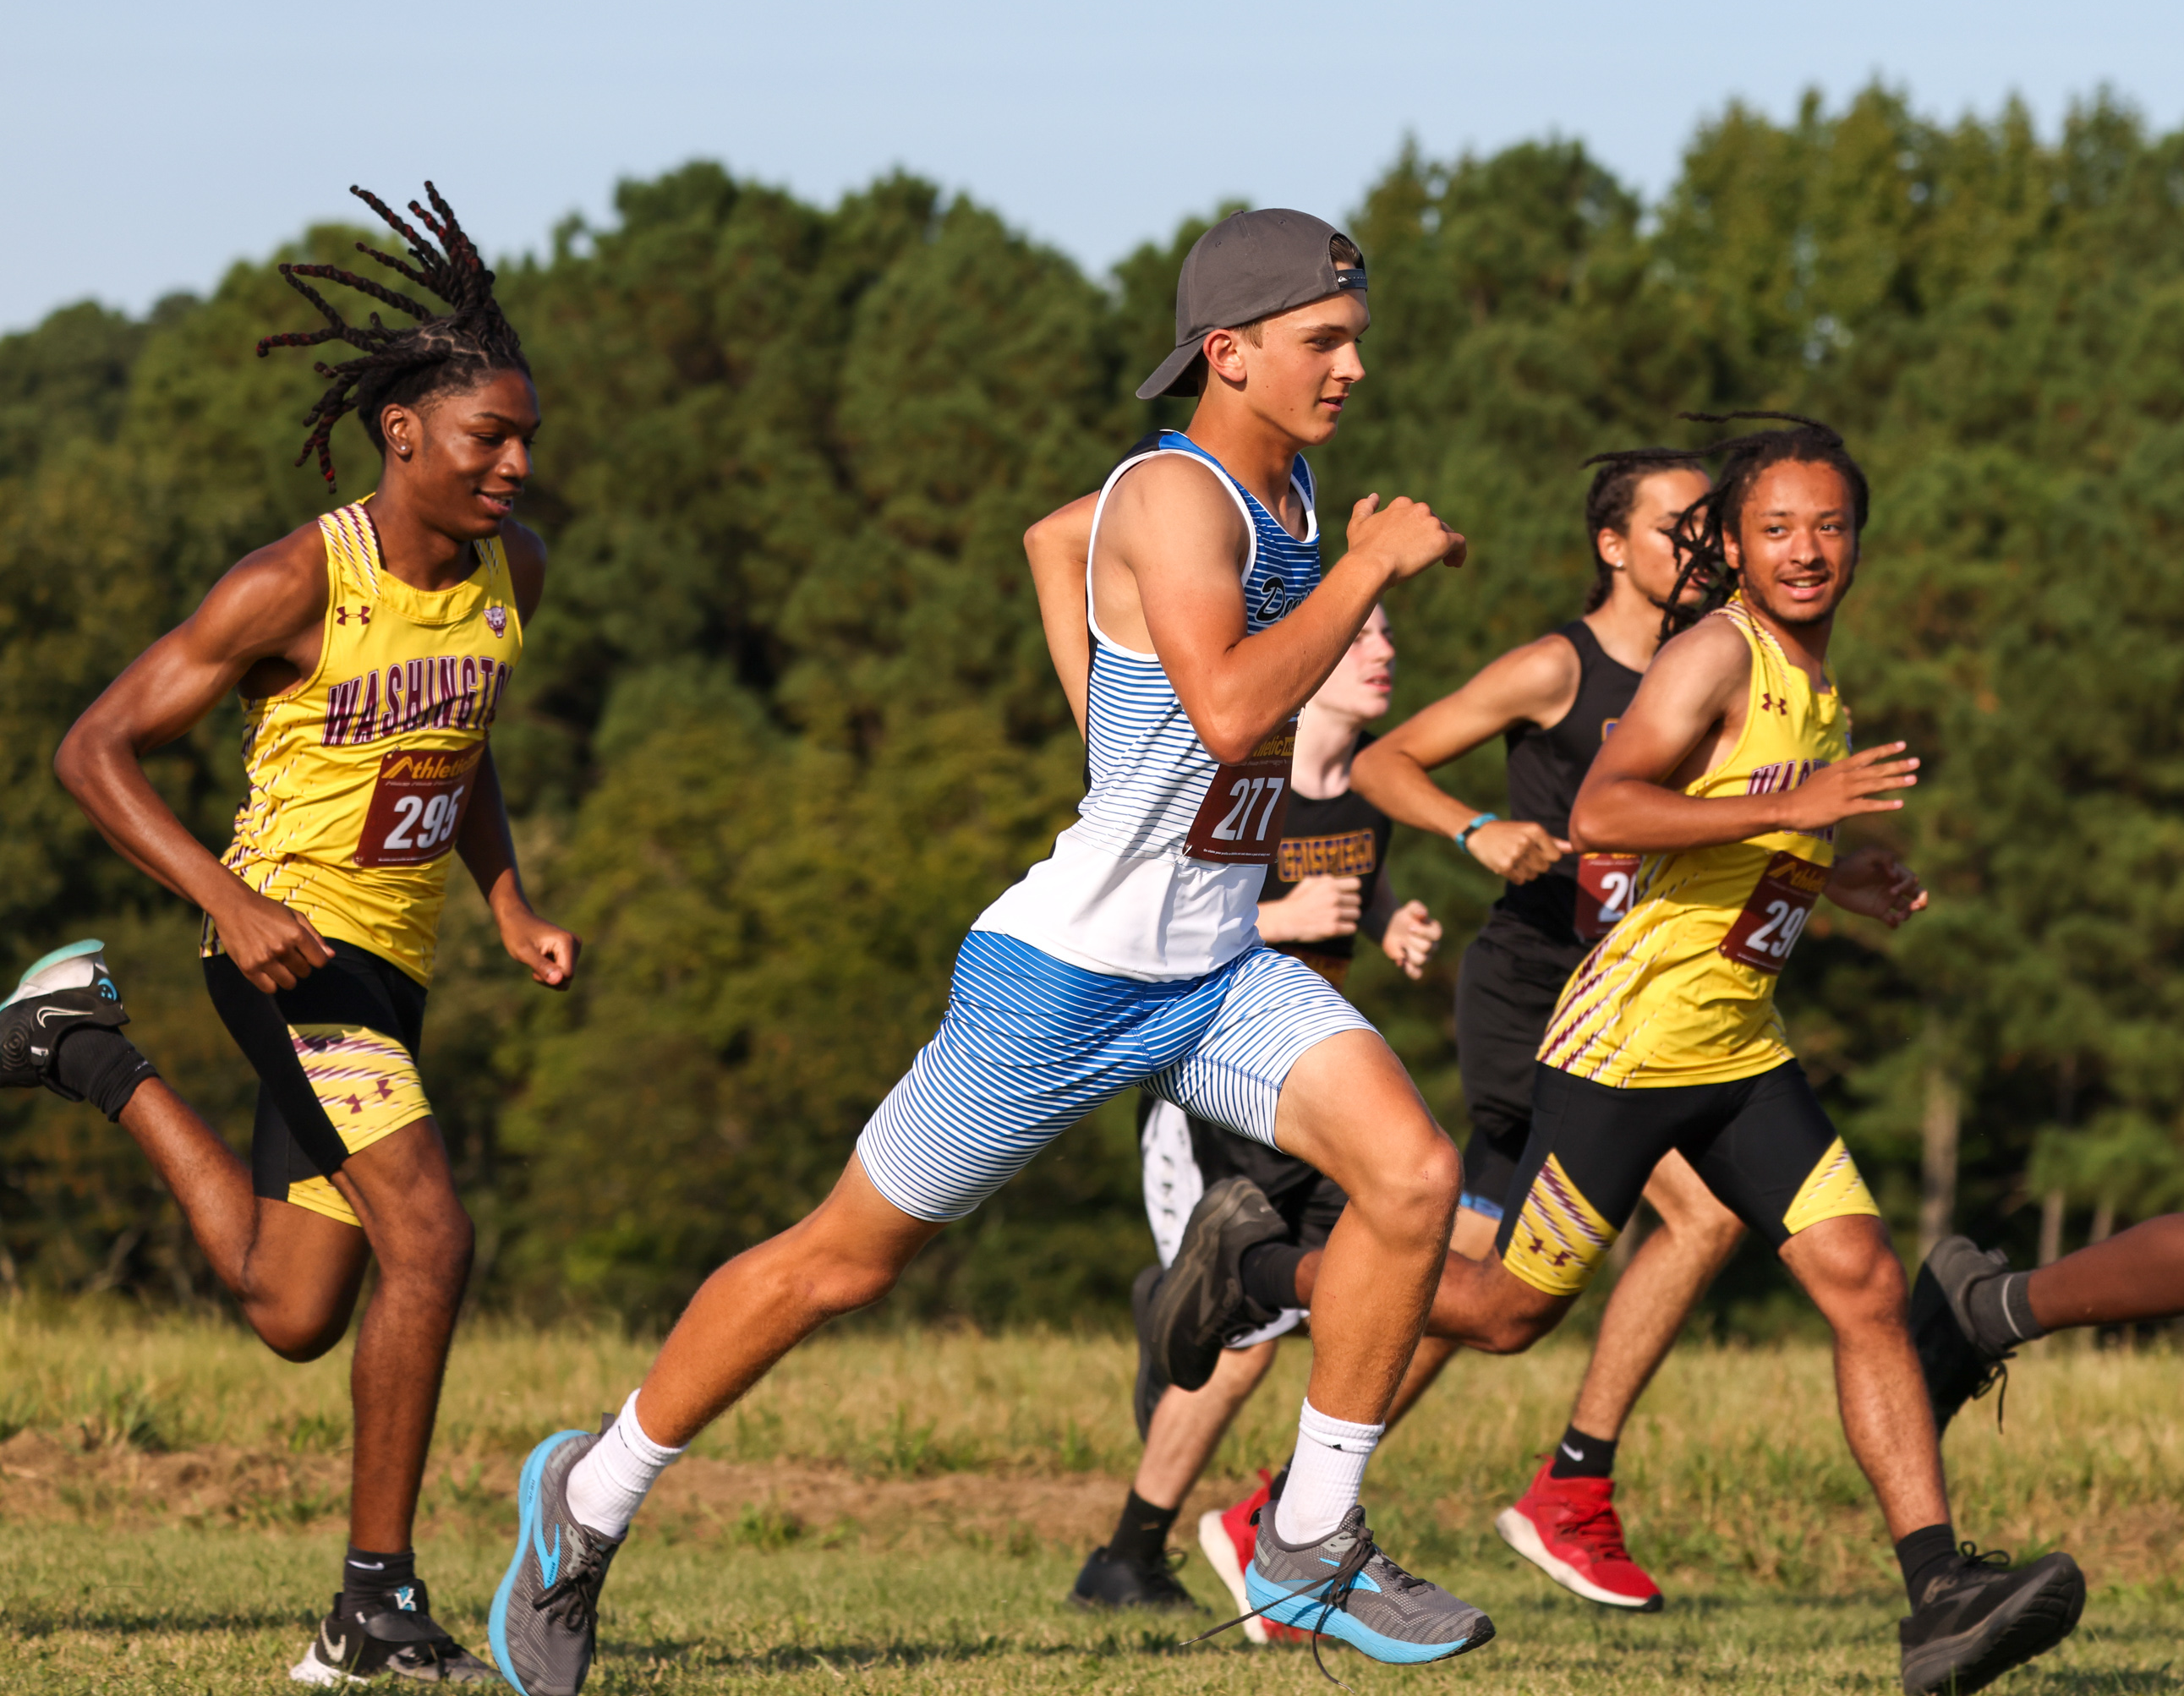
363	615
1769	704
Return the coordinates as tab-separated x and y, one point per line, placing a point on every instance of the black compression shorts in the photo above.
1764	1145
336	1068
1511	978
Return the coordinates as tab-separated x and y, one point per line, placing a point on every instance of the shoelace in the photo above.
1336	1595
1995	1377
573	1600
1989	1560
1601	1529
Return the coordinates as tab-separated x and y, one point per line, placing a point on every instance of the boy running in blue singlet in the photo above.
1130	956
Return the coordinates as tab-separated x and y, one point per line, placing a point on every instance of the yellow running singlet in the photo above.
360	774
1682	990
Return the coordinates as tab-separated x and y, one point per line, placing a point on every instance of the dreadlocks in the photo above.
443	352
1613	493
1719	513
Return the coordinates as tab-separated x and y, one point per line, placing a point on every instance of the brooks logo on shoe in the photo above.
406	1599
549	1565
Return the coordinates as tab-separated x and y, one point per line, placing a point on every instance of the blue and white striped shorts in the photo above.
1032	1044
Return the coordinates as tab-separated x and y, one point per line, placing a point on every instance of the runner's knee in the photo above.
1413	1185
1710	1235
1852	1273
432	1248
1521	1319
834	1285
300	1329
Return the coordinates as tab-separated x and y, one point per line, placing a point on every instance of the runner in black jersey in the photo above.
1554	701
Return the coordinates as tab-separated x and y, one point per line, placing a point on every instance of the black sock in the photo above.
368	1577
2002	1312
1579	1456
1925	1553
100	1066
1141	1536
1269	1272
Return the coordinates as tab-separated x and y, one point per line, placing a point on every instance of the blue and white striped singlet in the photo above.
1119	895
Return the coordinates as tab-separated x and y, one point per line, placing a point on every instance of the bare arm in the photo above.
1180	544
1056	547
1535	684
1690	703
266	614
485	844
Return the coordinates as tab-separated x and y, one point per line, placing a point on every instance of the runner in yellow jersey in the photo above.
1730	773
372	649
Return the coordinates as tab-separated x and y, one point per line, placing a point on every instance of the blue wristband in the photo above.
1463	836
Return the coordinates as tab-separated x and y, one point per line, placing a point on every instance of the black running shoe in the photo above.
68	988
1152	1382
388	1637
545	1617
1201	1302
1110	1581
1979	1621
1957	1365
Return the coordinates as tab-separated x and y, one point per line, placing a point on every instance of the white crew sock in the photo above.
1324	1476
607	1486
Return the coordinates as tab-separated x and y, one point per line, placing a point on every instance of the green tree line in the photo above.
786	722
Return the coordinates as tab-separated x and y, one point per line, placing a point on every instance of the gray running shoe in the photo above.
544	1620
1343	1587
1201	1301
1958	1363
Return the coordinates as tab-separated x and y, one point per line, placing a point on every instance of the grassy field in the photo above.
905	1513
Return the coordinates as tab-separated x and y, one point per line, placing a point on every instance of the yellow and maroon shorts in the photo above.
1762	1144
336	1059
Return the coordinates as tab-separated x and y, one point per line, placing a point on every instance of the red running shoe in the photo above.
1567	1528
1228	1538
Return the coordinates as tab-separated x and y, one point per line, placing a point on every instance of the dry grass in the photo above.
903	1510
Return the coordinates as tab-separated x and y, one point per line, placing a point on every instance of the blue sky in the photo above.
149	147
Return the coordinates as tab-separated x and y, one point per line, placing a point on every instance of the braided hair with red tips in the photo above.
443	352
1719	513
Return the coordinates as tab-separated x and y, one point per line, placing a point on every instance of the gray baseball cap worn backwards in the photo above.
1250	265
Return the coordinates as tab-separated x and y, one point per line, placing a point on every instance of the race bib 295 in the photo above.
418	805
